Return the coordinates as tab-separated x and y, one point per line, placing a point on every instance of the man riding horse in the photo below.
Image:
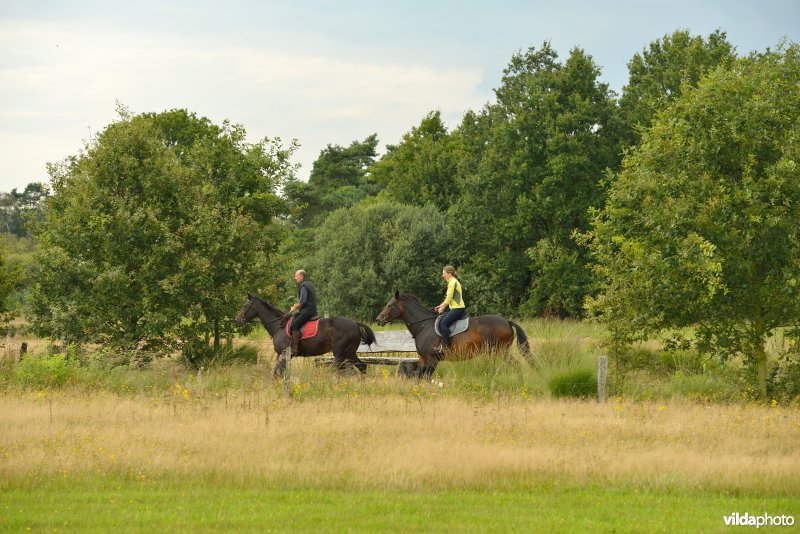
307	304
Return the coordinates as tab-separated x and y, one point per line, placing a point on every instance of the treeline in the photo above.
560	198
499	196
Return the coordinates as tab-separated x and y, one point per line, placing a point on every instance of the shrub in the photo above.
203	355
54	370
573	383
784	378
705	387
660	362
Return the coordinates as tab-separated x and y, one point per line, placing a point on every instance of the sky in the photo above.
320	72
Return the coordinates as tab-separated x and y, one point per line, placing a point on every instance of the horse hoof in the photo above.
407	369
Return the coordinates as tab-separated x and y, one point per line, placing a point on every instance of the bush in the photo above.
658	362
54	370
705	387
202	355
784	378
573	383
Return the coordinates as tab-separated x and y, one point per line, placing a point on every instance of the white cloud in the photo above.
57	80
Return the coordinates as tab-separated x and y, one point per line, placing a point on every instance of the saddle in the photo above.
307	330
455	328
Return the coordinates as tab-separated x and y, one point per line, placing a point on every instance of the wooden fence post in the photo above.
287	371
602	374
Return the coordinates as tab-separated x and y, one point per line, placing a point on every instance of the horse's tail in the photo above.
522	339
367	335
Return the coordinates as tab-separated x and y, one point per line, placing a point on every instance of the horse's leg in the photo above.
345	349
280	366
431	367
357	363
422	366
352	357
339	361
408	369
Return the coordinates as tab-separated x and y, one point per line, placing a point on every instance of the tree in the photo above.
366	252
422	168
530	171
155	232
665	69
700	227
339	178
10	278
18	209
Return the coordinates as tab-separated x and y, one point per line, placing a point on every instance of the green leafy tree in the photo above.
700	228
366	252
19	262
11	276
530	171
18	209
339	178
422	168
666	68
154	233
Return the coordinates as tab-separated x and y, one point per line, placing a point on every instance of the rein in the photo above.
408	325
421	320
279	318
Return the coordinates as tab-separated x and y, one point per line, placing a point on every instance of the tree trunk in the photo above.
760	352
216	335
761	367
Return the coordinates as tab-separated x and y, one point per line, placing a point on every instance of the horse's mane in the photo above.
269	305
412	296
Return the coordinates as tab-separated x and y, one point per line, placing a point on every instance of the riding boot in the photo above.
439	351
295	343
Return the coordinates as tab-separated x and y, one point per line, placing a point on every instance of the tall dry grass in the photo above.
418	441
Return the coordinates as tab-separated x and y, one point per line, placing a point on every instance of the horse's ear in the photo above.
397	294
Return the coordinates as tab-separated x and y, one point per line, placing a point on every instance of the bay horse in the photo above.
339	335
490	332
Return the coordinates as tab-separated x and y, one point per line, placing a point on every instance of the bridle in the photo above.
250	304
393	307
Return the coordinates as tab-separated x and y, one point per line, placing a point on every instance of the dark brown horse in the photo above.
485	332
339	335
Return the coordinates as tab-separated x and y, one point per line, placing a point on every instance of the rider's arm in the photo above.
451	287
303	299
303	296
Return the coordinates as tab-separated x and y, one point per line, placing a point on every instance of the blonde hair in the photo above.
452	270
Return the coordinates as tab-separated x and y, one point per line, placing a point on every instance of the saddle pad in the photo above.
455	328
306	331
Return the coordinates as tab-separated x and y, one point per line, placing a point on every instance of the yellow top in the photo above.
453	299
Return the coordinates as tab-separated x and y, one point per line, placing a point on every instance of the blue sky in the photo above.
319	72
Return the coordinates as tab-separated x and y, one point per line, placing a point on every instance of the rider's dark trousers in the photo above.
448	319
301	319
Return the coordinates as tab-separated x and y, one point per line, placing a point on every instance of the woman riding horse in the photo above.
453	299
485	332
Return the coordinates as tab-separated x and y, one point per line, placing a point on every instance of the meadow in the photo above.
85	447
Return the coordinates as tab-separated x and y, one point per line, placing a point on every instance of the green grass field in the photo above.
124	505
89	444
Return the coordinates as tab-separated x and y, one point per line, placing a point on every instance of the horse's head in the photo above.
246	312
391	312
